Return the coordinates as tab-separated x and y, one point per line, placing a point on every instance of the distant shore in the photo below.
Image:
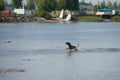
19	19
97	19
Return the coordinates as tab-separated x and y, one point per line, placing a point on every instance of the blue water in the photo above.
39	48
35	36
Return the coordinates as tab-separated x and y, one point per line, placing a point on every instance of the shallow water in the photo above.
39	50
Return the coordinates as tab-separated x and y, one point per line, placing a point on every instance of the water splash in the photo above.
101	50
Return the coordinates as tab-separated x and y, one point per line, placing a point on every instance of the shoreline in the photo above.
27	19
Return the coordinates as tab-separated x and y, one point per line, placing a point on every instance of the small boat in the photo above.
67	19
61	19
61	14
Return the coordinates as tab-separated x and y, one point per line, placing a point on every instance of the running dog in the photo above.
71	47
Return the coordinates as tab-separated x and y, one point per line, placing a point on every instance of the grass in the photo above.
116	19
89	19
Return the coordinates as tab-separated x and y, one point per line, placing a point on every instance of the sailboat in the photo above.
67	19
61	19
61	14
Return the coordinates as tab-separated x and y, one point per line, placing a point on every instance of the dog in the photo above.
71	48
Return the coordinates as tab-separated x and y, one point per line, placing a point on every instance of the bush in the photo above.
45	14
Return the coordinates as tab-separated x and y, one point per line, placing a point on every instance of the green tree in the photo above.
61	4
83	1
45	7
30	4
115	5
109	4
72	4
103	4
95	8
119	4
2	5
98	5
17	3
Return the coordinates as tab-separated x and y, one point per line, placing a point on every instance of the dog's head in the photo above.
68	43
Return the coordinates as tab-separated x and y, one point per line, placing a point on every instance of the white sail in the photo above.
61	14
68	18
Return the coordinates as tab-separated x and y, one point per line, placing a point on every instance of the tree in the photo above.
95	8
115	4
83	1
17	3
2	5
98	5
72	4
30	4
109	4
68	4
119	4
103	4
61	4
45	7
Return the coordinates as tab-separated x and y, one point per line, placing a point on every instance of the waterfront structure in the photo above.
86	8
20	10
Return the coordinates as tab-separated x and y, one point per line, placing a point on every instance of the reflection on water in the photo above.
39	50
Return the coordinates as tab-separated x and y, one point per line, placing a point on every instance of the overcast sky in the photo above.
93	1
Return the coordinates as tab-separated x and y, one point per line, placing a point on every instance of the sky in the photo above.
93	1
96	1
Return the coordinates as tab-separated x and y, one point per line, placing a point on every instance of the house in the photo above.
19	10
86	8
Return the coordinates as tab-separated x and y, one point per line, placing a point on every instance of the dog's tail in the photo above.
78	48
78	45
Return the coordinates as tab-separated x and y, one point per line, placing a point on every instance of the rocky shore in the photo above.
14	19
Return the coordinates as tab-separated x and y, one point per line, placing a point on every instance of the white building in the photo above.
86	8
20	10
